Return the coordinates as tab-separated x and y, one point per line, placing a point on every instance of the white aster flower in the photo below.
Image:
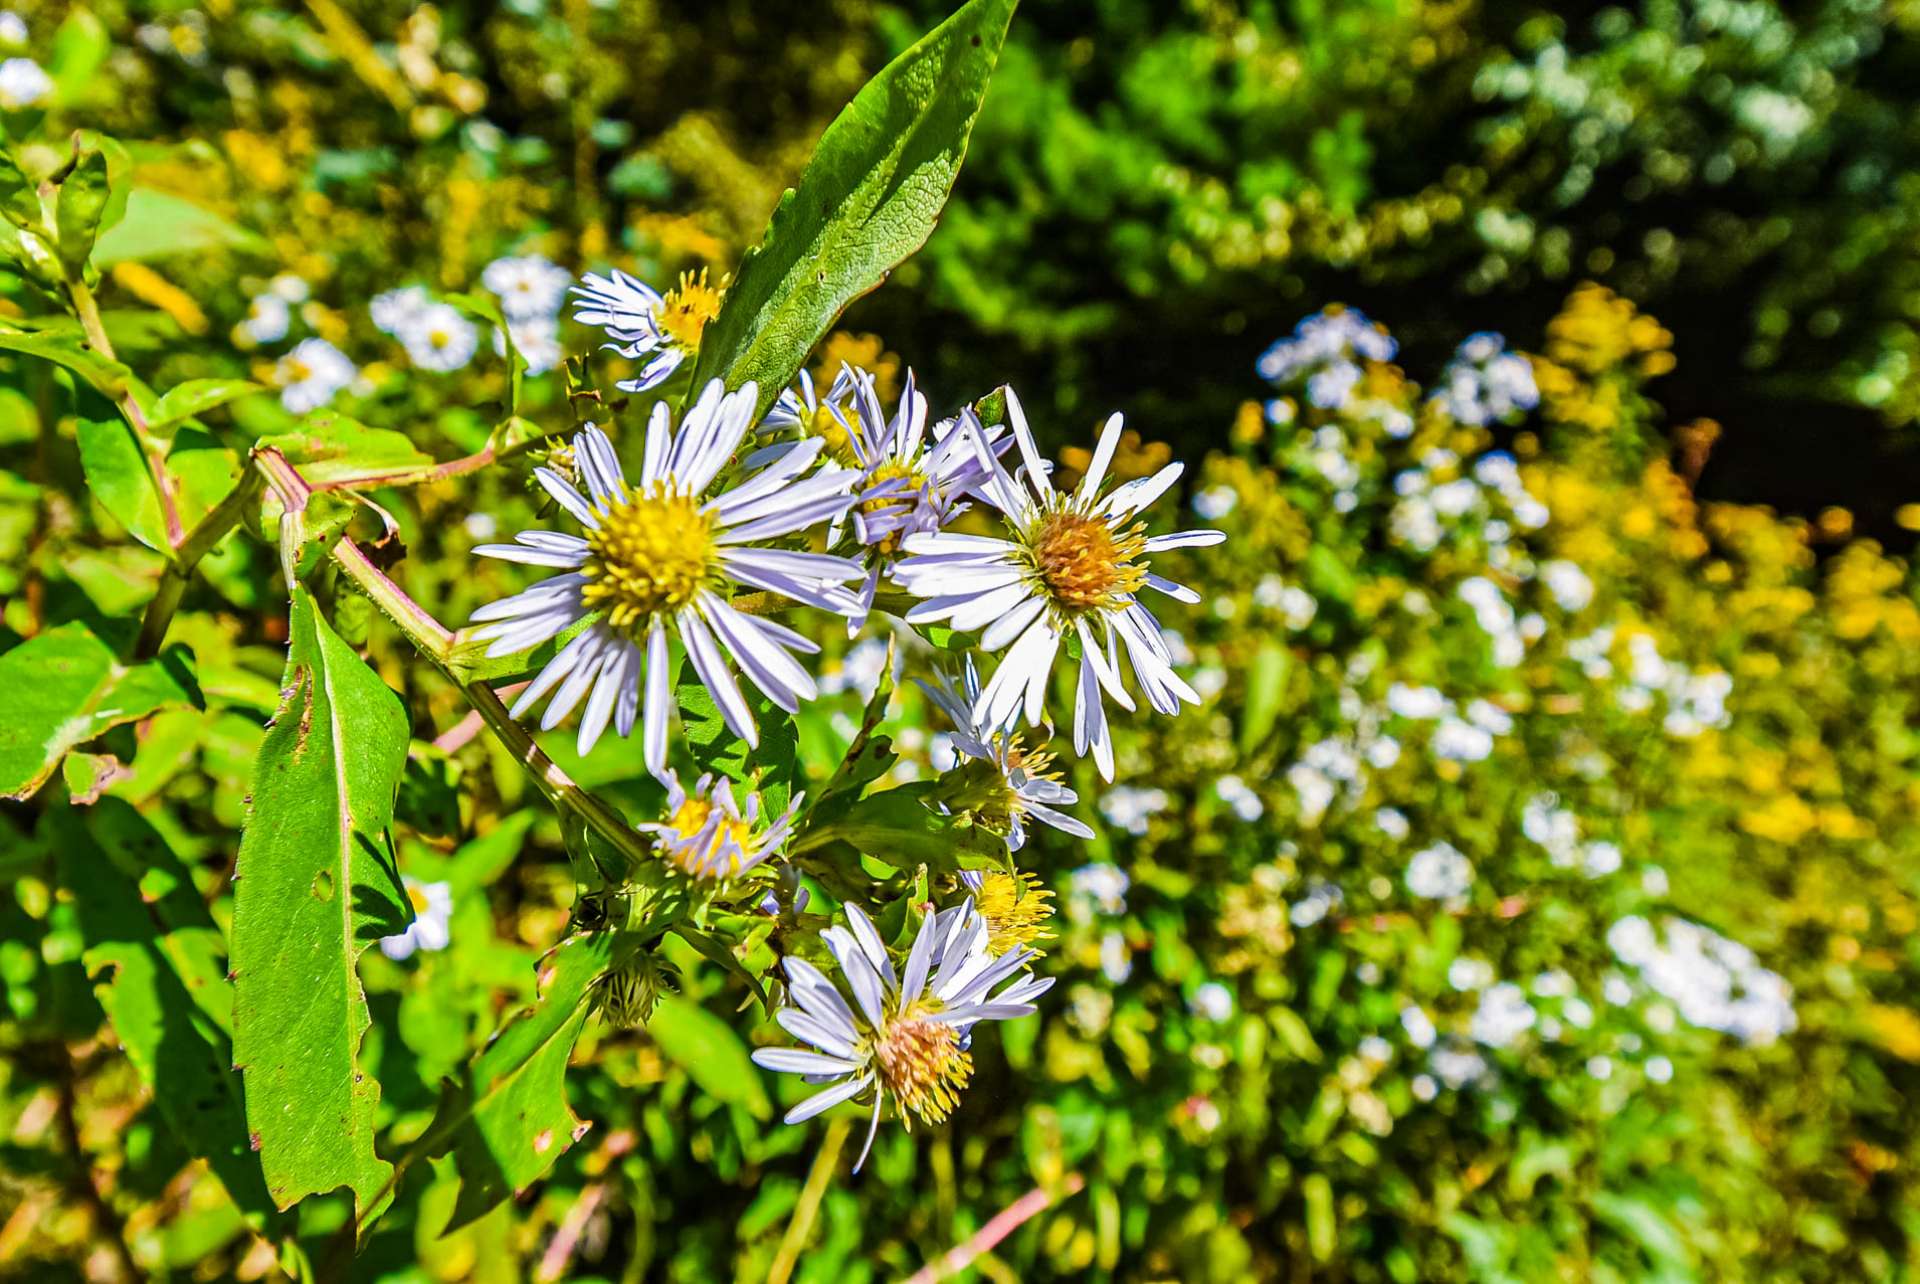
23	83
432	911
13	30
527	285
268	319
905	1037
535	338
439	338
709	835
643	323
658	561
1074	565
311	374
395	309
1021	782
1441	872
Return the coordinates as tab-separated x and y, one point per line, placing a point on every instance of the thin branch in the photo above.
88	310
800	1225
187	552
1002	1224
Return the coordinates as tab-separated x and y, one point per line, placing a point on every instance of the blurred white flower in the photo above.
1213	1001
1440	872
23	84
432	914
311	374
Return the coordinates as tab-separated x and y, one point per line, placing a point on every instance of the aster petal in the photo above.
1184	539
820	997
826	1099
913	980
659	700
803	1025
532	556
557	668
873	1130
711	665
568	498
1130	498
1102	456
1010	623
798	1061
870	943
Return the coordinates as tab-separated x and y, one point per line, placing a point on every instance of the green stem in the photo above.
88	310
197	543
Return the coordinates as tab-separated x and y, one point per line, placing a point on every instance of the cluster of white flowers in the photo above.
1716	984
531	291
1294	604
1236	793
1132	809
1485	383
1497	620
1100	886
1441	872
1694	701
437	336
1327	350
1320	900
1557	830
1462	735
1491	501
270	312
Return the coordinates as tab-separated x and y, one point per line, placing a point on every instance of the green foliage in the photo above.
316	885
869	198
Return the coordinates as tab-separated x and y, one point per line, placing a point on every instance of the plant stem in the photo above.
88	310
1001	1225
196	544
808	1208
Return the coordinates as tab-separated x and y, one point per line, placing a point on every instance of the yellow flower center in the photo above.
418	897
651	555
1015	907
828	426
298	372
687	823
1083	563
922	1064
907	496
687	308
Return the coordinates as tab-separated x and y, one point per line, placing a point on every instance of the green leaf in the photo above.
315	884
79	206
121	480
80	50
66	686
773	767
710	1052
897	827
1266	691
109	378
716	951
160	225
159	968
196	397
19	194
869	198
334	450
509	1120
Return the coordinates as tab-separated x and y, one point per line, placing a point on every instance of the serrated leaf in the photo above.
711	1053
81	201
333	450
196	397
314	886
509	1120
869	198
158	964
66	686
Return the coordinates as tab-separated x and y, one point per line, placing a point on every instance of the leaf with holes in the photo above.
314	886
67	686
509	1120
869	198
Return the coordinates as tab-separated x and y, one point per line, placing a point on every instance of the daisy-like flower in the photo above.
268	319
439	338
395	309
665	329
311	374
1006	782
709	835
527	285
659	560
432	911
23	83
536	339
906	1035
1074	567
1015	906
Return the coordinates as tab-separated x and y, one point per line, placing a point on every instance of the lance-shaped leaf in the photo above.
711	1053
774	767
195	397
509	1120
66	686
315	884
159	968
869	198
81	202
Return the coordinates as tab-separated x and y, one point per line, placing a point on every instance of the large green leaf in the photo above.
161	225
711	1053
510	1120
869	198
120	480
333	450
65	348
773	767
66	686
159	968
194	397
78	208
315	884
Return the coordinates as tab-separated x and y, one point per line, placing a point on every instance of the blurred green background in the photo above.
1269	1055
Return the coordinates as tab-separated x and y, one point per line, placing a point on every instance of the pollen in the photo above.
686	309
732	835
651	555
1084	564
922	1064
829	425
1015	908
417	897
